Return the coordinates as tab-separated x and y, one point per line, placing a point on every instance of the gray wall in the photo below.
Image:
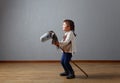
22	22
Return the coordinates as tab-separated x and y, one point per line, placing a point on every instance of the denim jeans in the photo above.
65	61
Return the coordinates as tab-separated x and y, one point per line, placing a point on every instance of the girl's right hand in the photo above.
56	43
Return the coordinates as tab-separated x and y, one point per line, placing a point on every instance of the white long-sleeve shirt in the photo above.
68	42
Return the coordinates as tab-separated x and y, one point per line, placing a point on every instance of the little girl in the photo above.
67	44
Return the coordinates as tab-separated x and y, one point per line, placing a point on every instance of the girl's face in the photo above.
65	27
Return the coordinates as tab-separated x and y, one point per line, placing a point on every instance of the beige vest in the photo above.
68	47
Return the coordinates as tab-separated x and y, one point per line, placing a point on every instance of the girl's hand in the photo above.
56	43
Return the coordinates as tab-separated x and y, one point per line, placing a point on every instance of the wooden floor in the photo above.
49	73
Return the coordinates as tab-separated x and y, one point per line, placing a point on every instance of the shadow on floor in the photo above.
100	76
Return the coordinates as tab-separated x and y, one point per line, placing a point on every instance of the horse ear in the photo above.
51	31
52	34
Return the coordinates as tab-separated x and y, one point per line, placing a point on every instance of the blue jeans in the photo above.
65	61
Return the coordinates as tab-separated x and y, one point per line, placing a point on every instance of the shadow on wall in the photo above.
4	6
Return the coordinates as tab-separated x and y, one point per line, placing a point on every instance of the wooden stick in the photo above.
80	69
